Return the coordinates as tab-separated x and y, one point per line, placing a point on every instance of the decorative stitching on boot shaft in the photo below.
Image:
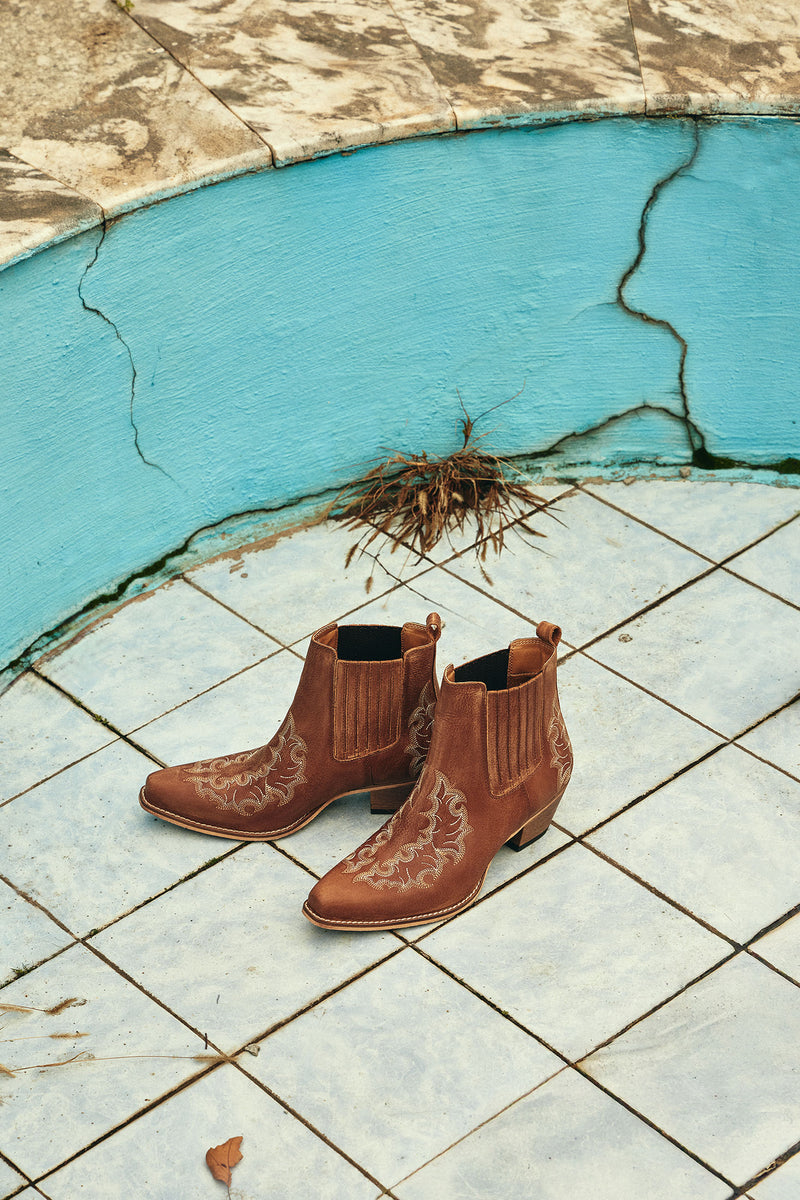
417	863
420	724
560	747
249	781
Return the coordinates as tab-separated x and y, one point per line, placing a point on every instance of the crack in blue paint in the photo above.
91	308
694	434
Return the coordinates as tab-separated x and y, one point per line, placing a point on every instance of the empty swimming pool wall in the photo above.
250	336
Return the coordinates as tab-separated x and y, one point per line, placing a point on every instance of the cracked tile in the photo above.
29	936
497	61
709	56
36	210
592	571
275	1147
230	949
625	742
778	739
153	653
373	1080
597	952
80	844
710	650
132	1053
713	518
774	564
566	1139
107	111
312	78
41	732
723	840
716	1068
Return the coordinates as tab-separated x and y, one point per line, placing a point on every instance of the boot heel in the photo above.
535	828
388	799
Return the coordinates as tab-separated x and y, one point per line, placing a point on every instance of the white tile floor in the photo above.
618	1015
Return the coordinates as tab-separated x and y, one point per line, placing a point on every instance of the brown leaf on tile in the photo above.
220	1159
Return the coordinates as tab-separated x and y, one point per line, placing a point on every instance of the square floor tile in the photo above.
723	840
781	947
154	653
625	742
575	950
28	935
230	950
400	1064
42	731
10	1181
783	1184
280	1155
567	1139
721	650
296	584
714	517
774	563
778	739
591	572
718	1068
131	1053
235	715
80	844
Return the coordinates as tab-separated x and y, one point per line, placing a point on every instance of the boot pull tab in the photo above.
548	633
433	623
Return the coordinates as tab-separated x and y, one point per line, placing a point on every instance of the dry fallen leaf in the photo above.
220	1159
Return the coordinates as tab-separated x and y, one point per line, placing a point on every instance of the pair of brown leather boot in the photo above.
465	769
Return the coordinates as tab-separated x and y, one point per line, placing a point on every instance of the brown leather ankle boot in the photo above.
360	721
499	762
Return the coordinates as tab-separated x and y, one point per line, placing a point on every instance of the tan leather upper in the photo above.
360	718
499	756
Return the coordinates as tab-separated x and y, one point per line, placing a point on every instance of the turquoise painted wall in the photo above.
286	326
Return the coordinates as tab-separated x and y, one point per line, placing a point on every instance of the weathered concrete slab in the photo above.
34	208
504	61
705	56
312	78
93	101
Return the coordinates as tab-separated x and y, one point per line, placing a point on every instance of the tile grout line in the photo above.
574	1064
647	1121
585	488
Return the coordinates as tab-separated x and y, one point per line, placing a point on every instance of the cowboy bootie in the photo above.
360	721
499	762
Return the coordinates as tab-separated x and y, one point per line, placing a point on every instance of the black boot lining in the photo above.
369	643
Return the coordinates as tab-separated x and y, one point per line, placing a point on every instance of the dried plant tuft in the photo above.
416	500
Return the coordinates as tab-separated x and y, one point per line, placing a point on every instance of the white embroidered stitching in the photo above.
219	780
560	746
419	730
421	862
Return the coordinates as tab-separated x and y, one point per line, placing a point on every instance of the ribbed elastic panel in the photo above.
368	710
514	734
